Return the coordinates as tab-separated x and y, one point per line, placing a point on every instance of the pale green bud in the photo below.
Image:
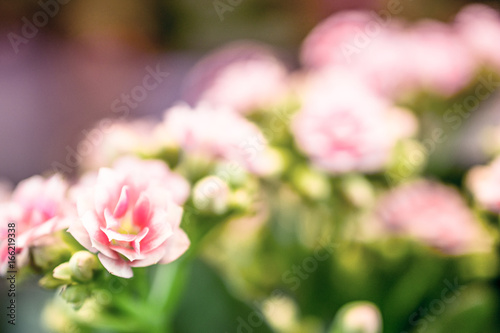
82	265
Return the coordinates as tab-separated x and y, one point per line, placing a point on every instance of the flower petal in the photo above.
150	258
176	245
118	267
142	211
123	202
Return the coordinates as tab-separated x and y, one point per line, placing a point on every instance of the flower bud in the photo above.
358	190
311	183
62	272
50	282
357	317
82	265
75	295
46	257
211	194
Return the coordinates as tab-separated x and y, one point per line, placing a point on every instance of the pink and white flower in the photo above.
131	216
343	126
434	214
242	77
39	208
219	135
341	38
118	139
479	28
438	59
484	183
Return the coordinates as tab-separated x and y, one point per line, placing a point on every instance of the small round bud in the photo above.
211	194
82	265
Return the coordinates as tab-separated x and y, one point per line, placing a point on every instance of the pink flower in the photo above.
117	139
130	216
484	183
393	59
479	27
243	77
38	207
219	135
339	39
438	58
434	214
343	126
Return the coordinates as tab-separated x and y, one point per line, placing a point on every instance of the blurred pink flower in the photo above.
438	58
479	27
118	139
339	39
434	214
242	77
217	134
130	216
38	207
343	126
484	183
392	58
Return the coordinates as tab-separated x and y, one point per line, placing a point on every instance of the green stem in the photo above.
166	290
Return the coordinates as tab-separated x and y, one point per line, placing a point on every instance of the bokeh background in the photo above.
61	81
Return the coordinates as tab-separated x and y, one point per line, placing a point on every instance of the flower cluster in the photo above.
258	165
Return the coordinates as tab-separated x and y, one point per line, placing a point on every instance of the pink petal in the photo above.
122	205
118	267
176	245
151	258
98	239
111	222
130	254
113	235
142	211
107	185
77	230
139	238
175	214
159	231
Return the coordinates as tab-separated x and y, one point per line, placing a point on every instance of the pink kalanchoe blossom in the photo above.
438	58
479	27
242	76
117	139
38	207
130	217
434	214
338	39
428	55
343	126
219	135
484	183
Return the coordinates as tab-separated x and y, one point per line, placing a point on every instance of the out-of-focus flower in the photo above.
429	55
438	59
38	207
341	38
216	134
211	194
434	214
479	26
130	216
361	317
351	129
243	77
157	171
484	183
122	138
281	312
